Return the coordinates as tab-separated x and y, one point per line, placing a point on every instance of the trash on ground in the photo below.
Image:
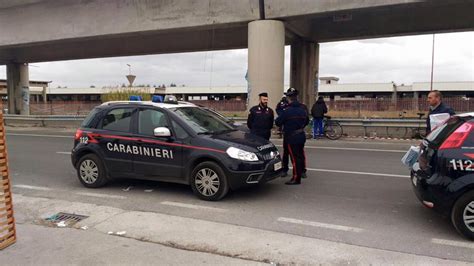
127	189
148	190
110	232
85	227
121	233
61	224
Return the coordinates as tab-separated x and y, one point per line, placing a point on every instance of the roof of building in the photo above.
207	90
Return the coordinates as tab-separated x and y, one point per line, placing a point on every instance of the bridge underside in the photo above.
394	20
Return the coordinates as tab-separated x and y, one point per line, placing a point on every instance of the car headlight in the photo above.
242	155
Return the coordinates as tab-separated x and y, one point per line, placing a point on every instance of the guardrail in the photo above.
366	127
43	120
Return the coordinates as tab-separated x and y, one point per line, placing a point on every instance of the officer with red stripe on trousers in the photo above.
294	119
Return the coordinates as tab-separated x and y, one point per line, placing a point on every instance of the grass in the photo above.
124	95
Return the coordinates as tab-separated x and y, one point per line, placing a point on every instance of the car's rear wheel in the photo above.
91	171
209	182
462	215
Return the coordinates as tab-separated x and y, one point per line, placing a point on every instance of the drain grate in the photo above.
63	219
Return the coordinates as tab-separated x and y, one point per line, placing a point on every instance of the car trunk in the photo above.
430	160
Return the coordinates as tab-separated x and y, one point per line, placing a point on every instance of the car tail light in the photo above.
78	134
456	139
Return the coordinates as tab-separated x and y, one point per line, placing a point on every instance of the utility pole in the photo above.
432	62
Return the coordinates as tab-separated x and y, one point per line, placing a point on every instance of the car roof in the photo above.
150	103
471	114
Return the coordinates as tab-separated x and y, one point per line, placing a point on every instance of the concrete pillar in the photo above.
18	83
45	99
13	77
266	57
415	100
304	70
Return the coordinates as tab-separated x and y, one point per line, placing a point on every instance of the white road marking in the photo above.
322	225
64	152
39	135
32	187
191	206
452	243
355	173
362	141
349	149
105	196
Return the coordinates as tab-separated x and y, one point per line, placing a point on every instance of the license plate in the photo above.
277	166
413	180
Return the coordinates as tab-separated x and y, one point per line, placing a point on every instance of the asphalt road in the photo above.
357	192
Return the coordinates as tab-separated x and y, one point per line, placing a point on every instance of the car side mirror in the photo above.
162	132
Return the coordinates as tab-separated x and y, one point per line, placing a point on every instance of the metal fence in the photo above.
62	108
457	103
354	105
227	105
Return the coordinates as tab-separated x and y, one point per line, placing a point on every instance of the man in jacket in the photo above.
260	119
436	107
317	111
294	119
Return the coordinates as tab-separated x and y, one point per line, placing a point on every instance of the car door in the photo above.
159	158
115	140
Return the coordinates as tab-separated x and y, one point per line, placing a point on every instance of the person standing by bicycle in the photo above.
294	119
436	107
317	112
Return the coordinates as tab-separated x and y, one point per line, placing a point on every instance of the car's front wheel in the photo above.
91	172
462	215
209	182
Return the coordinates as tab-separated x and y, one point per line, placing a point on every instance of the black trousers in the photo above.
297	159
285	157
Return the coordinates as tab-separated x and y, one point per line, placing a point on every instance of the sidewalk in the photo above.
41	245
165	239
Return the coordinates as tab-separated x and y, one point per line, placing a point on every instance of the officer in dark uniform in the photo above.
294	119
281	106
260	119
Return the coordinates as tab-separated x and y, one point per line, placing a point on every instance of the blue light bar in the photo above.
135	98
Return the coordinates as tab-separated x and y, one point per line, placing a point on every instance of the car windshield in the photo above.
202	121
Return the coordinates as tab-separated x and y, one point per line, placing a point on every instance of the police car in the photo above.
443	177
170	141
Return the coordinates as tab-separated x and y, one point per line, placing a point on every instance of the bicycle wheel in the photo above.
419	133
332	130
396	132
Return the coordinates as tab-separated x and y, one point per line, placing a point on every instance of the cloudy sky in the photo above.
399	59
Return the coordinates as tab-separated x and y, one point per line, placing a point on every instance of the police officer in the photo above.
294	119
281	106
260	119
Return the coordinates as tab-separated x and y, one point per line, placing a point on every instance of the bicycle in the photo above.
419	132
399	132
331	129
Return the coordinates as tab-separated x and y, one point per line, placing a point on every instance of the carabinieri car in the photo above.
170	141
443	177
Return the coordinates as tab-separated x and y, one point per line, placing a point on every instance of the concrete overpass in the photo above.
45	30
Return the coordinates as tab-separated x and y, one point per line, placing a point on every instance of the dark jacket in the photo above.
260	120
294	119
282	105
441	109
319	109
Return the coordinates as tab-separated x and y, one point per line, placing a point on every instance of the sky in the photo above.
399	59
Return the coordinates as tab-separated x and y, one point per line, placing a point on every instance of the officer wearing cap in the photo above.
294	119
260	119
